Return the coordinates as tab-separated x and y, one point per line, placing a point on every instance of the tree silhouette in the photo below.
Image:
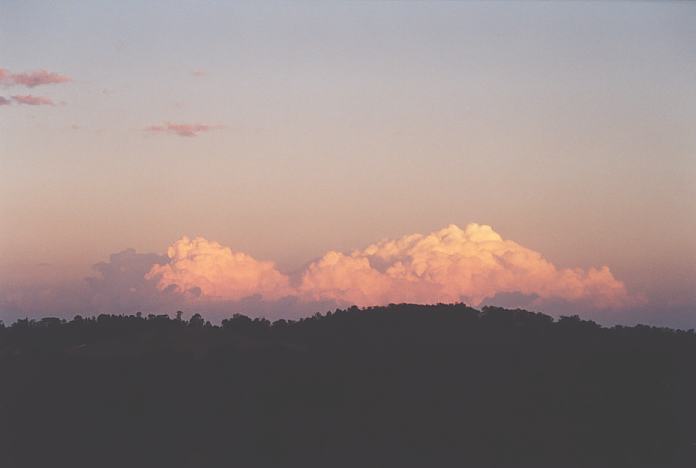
403	385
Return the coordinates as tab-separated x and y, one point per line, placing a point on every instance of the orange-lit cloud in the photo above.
30	100
449	265
199	267
32	79
181	129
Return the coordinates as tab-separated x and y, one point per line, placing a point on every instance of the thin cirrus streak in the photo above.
449	265
181	129
30	100
32	79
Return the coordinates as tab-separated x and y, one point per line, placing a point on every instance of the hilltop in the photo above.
403	385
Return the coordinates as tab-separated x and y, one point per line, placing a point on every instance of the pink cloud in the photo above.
32	79
201	267
182	129
450	265
4	101
199	73
30	100
473	264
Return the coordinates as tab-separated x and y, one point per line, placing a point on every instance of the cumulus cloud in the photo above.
474	265
199	267
30	100
451	265
32	79
181	129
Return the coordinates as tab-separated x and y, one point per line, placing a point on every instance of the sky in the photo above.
279	158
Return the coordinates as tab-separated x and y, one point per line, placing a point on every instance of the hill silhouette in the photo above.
395	386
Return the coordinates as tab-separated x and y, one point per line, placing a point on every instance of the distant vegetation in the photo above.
397	386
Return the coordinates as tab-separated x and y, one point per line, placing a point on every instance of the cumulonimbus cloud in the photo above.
199	267
30	100
32	79
181	129
449	265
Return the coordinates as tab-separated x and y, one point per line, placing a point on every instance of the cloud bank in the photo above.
474	265
449	265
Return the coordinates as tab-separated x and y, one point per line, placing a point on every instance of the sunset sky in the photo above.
286	158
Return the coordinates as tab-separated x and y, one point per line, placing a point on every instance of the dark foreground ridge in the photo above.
404	385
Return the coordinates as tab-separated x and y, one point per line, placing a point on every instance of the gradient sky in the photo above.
567	127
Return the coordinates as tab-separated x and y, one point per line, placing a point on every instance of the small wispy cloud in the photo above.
199	72
30	100
182	129
4	101
32	79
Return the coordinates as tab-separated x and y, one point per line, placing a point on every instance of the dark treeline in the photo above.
396	386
